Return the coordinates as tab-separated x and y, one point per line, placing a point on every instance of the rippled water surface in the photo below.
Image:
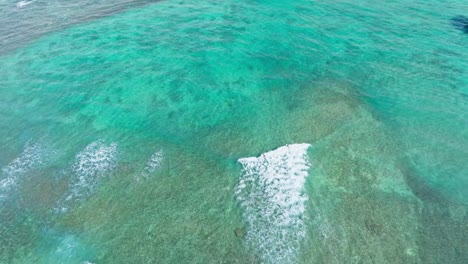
233	131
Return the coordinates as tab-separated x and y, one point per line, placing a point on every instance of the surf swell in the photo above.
33	156
153	163
22	4
91	164
271	195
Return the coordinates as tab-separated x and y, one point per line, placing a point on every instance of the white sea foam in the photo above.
33	156
23	3
7	183
153	164
94	162
271	194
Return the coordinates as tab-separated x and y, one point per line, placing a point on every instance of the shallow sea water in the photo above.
233	132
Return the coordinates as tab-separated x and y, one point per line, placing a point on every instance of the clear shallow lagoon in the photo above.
233	132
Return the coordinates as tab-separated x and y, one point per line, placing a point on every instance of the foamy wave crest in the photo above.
33	156
23	3
94	162
271	194
153	164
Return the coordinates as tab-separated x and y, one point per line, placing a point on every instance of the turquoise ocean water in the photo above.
233	132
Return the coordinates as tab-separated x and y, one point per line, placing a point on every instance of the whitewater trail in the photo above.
153	164
92	164
34	155
272	196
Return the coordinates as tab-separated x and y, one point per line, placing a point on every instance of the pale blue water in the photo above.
233	132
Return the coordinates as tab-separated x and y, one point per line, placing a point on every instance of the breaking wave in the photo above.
93	163
22	4
153	164
271	194
33	156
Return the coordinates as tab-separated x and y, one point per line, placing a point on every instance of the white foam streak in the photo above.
23	3
271	194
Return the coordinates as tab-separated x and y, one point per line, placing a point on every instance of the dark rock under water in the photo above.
460	23
239	232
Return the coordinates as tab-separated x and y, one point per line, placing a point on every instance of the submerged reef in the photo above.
460	22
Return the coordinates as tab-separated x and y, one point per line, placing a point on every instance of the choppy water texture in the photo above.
233	132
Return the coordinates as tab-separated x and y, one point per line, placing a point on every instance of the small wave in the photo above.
33	156
91	164
271	194
8	182
153	164
23	3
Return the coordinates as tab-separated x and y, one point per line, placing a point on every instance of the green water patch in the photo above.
364	206
176	84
